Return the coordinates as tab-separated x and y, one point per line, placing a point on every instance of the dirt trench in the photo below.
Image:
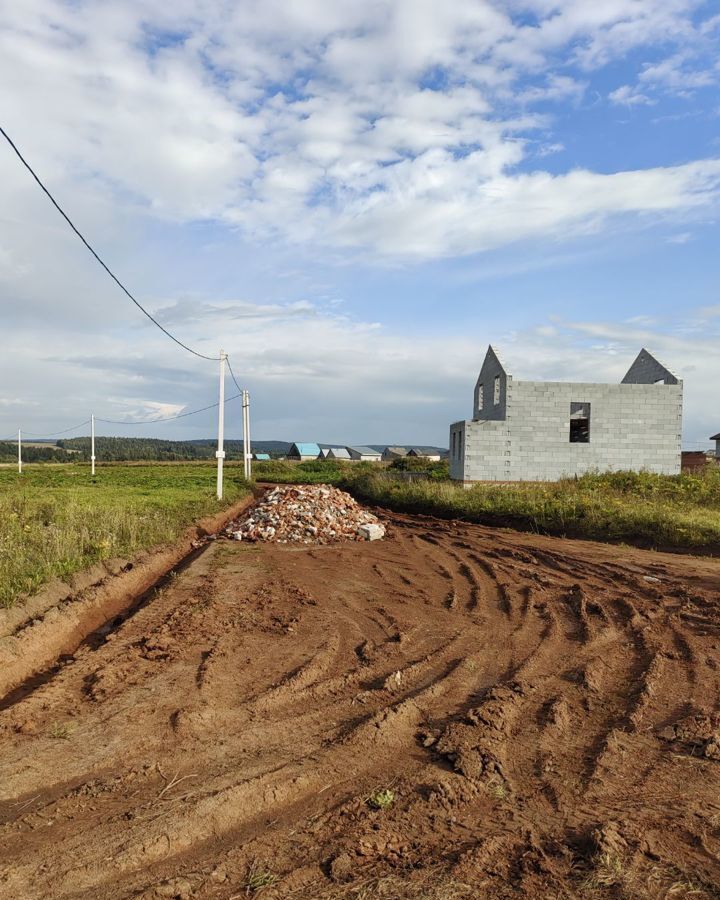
544	714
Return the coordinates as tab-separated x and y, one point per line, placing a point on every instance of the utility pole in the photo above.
220	454
92	443
19	451
247	448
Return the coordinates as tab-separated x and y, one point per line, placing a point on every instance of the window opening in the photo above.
579	423
496	397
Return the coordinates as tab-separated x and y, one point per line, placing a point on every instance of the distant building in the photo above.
696	460
429	453
391	453
261	456
324	451
338	453
542	431
304	451
716	438
364	454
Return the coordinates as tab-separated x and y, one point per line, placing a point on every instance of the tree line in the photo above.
119	449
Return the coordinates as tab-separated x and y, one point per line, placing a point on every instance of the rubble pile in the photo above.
306	514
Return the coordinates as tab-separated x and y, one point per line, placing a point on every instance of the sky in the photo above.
353	200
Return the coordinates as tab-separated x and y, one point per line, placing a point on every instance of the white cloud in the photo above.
327	121
629	96
389	130
680	73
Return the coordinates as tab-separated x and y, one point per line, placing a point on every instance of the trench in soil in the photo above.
97	638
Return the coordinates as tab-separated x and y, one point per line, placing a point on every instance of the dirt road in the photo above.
543	712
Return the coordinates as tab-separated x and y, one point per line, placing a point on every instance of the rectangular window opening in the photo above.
481	396
454	444
579	423
496	397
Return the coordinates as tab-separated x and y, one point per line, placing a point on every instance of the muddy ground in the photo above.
543	712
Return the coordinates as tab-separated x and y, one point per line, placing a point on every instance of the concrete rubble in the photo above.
306	514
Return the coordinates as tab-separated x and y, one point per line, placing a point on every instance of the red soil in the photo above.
545	713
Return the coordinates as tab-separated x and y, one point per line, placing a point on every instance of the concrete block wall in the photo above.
492	368
633	426
481	446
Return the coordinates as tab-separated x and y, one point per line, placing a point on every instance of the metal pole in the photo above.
220	454
248	444
19	451
92	444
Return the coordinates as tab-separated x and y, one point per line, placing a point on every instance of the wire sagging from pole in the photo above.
96	255
166	418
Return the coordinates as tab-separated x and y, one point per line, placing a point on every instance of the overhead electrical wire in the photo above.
184	415
56	433
232	375
97	256
166	418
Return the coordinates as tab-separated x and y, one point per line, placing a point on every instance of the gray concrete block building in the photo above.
544	430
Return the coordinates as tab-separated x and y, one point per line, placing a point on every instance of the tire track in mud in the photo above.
509	674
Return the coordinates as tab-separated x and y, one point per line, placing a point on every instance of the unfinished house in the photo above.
545	430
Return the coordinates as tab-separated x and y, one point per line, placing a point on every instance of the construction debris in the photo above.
306	514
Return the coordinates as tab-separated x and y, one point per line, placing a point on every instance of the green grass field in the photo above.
56	520
661	511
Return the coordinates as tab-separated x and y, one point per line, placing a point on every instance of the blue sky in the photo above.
354	200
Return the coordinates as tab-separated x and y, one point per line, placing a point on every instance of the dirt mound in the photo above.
306	514
453	712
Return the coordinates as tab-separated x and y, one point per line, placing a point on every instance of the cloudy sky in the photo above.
353	199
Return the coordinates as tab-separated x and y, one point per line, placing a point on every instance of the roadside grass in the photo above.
335	471
57	520
660	511
314	471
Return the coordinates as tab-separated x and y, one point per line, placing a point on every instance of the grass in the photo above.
258	879
608	870
57	520
59	731
662	511
313	471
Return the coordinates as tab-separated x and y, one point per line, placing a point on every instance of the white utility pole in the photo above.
19	451
220	454
92	443
247	448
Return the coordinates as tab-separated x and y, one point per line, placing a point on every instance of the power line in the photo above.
167	418
56	433
232	375
97	257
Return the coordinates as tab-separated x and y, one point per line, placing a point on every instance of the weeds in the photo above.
609	870
681	511
258	879
498	789
381	799
60	731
